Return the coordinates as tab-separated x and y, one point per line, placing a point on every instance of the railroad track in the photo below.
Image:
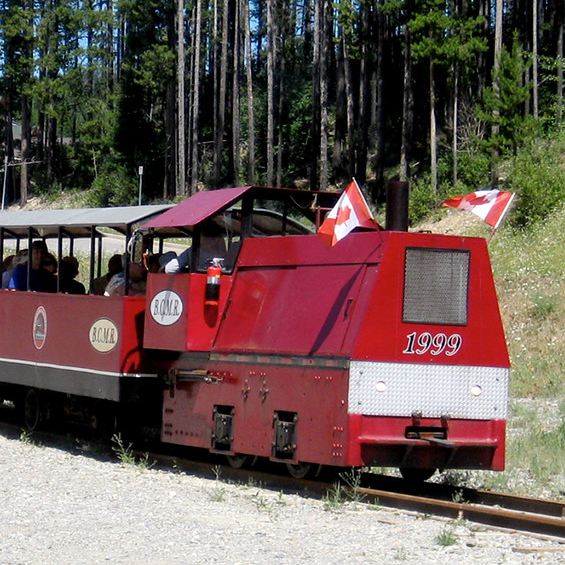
525	514
531	515
520	513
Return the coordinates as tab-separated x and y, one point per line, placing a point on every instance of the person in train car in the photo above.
114	267
177	264
50	263
212	245
67	282
7	270
40	279
153	263
137	282
19	259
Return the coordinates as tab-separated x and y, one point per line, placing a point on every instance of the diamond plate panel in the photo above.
402	389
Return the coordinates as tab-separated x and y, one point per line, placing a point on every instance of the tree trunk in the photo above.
271	35
219	133
496	86
433	126
316	110
250	101
25	144
407	111
340	131
378	97
50	148
363	116
195	133
181	131
560	32
535	57
350	106
454	147
236	142
324	56
281	112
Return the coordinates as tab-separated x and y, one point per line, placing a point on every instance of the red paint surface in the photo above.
69	322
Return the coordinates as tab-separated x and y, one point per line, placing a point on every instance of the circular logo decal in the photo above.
166	307
39	327
103	335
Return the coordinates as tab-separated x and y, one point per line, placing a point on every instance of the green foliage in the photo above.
504	108
538	445
300	121
344	491
538	177
544	306
473	169
114	186
444	37
27	437
422	199
127	456
447	536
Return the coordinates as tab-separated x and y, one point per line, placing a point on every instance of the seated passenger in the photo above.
67	282
50	263
7	269
114	267
178	264
152	263
19	259
40	279
117	284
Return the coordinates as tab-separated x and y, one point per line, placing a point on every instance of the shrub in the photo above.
422	199
114	186
538	178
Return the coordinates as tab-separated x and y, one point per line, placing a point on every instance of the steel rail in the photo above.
539	523
465	495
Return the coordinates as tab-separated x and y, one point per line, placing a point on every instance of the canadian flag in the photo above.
490	205
351	211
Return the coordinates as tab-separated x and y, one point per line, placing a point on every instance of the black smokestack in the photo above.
397	194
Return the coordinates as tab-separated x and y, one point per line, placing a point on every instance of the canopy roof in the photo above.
198	208
208	204
76	222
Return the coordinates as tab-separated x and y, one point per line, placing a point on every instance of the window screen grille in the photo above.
436	283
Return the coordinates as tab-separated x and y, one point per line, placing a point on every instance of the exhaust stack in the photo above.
397	194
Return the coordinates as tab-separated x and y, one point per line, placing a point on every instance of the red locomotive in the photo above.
384	350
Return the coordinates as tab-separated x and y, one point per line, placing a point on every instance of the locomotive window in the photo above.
436	283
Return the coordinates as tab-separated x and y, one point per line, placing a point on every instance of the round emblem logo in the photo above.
166	307
39	327
103	335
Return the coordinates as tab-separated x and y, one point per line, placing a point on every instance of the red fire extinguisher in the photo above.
213	278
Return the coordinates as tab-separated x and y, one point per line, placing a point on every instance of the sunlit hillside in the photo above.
529	270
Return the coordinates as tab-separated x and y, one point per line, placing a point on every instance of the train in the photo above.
384	350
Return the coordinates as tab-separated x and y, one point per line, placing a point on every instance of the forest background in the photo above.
172	96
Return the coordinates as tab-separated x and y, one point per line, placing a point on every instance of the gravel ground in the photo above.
60	507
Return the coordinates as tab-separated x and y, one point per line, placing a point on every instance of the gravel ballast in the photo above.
61	507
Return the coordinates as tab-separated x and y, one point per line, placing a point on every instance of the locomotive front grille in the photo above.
436	284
